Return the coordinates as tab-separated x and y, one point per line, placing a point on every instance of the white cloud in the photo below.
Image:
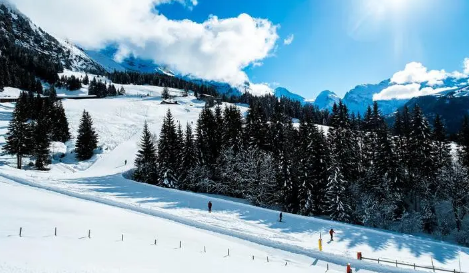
466	66
417	73
289	39
216	49
406	92
260	89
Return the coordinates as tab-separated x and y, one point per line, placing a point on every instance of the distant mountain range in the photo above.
452	102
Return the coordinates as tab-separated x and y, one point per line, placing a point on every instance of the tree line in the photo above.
36	122
359	170
159	79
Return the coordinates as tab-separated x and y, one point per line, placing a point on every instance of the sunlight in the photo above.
397	4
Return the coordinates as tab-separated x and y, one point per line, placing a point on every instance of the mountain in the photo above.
17	30
358	99
326	99
283	92
452	107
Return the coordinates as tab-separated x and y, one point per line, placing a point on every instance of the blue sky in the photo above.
337	44
327	53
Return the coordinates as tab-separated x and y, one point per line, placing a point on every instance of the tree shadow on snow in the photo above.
353	236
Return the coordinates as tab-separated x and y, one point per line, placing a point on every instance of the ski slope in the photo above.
102	179
39	212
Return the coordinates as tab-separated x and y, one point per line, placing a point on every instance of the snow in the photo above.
10	92
102	179
72	251
109	64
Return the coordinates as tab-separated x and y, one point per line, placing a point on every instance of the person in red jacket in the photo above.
209	206
331	232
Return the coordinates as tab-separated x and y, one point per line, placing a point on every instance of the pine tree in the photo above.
41	141
454	180
189	157
464	142
443	149
145	161
206	139
232	128
338	207
19	135
87	139
423	168
165	95
52	93
86	80
263	192
168	152
256	131
219	128
60	129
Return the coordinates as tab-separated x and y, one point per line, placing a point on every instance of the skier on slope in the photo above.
280	217
209	206
331	232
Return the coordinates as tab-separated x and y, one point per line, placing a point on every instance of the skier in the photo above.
280	217
331	232
209	206
125	162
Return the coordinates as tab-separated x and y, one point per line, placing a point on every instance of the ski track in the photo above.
210	226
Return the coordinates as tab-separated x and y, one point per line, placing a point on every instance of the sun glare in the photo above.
397	4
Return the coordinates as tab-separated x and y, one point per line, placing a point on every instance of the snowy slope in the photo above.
72	251
119	123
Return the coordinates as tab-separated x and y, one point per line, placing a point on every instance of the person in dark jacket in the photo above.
209	206
280	217
331	232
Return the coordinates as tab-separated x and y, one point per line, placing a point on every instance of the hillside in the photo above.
17	29
103	179
72	251
451	106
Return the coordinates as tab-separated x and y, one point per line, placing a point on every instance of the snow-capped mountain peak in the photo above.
18	29
326	99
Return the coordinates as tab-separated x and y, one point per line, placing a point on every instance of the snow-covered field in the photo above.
119	123
39	212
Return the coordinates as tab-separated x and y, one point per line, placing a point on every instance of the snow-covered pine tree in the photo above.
86	80
442	147
19	135
111	90
165	94
145	162
232	128
229	174
179	150
464	142
455	179
256	133
423	167
52	93
121	91
263	192
87	139
41	140
189	157
207	148
337	198
168	147
60	130
218	128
